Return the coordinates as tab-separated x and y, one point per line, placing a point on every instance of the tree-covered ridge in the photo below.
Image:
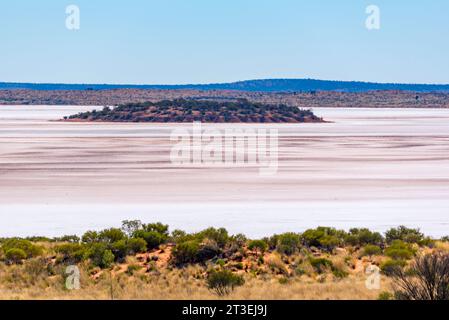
182	110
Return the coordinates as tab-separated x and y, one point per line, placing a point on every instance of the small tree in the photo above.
259	246
426	279
223	282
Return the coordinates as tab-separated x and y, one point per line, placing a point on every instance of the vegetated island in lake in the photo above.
207	111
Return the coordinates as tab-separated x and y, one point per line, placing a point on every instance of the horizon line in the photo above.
224	83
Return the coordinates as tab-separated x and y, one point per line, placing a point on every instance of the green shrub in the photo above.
15	255
385	296
259	246
90	237
323	237
220	236
136	245
404	234
111	235
209	249
100	255
288	243
72	252
157	227
131	226
26	246
132	268
426	278
223	282
389	266
152	238
339	273
119	249
321	264
361	237
399	250
371	250
186	252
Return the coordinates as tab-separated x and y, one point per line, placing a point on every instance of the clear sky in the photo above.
203	41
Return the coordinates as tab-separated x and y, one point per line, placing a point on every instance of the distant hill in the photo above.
269	85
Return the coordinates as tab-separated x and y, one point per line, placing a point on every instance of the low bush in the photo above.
259	246
152	238
390	266
111	235
400	250
26	246
186	252
361	237
136	245
323	237
385	296
427	278
100	255
223	282
321	265
371	250
288	243
72	252
404	234
15	255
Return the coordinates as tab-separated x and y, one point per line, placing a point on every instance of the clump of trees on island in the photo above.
206	111
418	265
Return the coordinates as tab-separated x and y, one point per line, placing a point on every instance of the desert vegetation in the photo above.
305	98
182	110
148	261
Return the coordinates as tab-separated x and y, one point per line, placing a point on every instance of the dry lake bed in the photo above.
375	168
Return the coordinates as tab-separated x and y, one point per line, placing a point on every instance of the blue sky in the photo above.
203	41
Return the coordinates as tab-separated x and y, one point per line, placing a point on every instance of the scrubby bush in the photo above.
220	236
404	234
153	239
136	245
259	246
223	282
90	237
186	252
288	243
26	246
323	237
15	255
371	250
426	279
156	227
111	235
119	249
209	249
390	266
361	237
131	226
72	252
385	296
100	255
339	273
321	264
399	250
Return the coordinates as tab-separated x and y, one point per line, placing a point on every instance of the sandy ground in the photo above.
370	167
